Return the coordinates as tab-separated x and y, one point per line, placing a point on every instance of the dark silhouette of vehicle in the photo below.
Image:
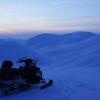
22	78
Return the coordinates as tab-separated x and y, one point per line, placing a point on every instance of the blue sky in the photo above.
49	15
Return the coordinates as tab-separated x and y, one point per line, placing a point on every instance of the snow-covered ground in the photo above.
71	60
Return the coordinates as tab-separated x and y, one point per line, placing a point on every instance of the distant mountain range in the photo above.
54	39
75	47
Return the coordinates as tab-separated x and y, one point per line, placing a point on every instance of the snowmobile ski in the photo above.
48	84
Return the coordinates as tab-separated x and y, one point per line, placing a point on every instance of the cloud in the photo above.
80	23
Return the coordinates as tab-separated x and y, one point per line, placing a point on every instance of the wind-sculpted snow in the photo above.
73	62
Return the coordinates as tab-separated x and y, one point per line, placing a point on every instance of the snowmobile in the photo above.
25	77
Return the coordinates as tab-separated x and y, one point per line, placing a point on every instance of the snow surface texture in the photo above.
71	60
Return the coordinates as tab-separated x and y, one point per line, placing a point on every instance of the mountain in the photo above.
54	39
77	36
73	47
44	40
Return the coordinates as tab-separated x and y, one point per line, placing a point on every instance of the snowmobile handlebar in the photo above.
28	60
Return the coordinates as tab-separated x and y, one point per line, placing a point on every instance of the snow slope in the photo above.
72	62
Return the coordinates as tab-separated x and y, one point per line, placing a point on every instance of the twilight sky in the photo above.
49	15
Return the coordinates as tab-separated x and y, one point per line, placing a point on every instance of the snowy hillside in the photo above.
71	60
